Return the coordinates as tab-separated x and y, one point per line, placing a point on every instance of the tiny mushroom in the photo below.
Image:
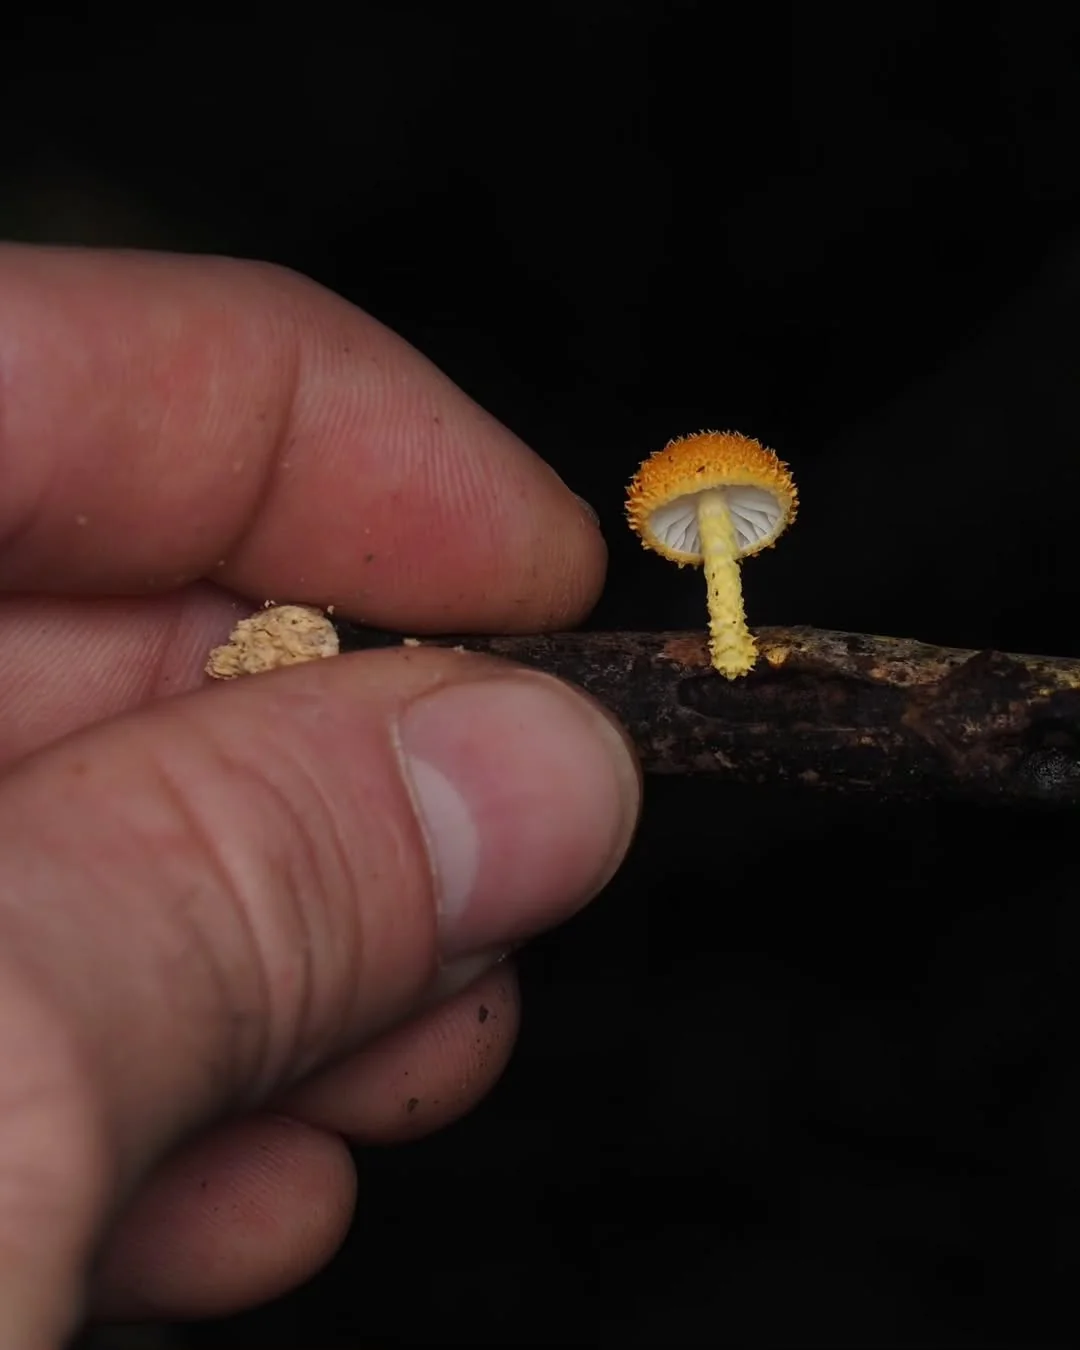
712	499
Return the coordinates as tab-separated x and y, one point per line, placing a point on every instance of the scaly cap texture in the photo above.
670	478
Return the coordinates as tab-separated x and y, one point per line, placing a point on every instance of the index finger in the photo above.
165	418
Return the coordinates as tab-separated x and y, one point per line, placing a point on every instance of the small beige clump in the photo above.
283	635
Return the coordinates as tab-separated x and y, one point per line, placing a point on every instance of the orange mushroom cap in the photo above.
760	492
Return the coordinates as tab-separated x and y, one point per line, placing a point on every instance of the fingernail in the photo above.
528	796
589	509
454	976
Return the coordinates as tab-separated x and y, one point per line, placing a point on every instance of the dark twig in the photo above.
830	710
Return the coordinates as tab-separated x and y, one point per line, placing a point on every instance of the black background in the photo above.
805	1075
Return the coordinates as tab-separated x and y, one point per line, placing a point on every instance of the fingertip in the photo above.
179	418
528	797
230	1221
425	1073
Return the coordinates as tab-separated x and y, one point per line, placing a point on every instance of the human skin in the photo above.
237	920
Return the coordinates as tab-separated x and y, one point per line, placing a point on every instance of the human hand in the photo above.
240	923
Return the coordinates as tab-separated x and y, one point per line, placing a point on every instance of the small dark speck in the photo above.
437	420
346	350
369	557
203	1184
701	468
412	1104
483	1014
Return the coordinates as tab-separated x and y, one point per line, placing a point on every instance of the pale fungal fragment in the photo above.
776	656
283	635
709	501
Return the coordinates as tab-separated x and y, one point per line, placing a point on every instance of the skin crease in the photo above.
181	433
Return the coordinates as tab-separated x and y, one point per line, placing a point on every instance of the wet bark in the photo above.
841	711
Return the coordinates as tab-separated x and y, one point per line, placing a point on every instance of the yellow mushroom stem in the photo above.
731	643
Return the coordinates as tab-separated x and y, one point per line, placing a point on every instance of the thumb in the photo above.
202	901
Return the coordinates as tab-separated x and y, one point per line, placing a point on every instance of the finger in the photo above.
226	890
235	1219
171	418
256	1207
66	663
420	1076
